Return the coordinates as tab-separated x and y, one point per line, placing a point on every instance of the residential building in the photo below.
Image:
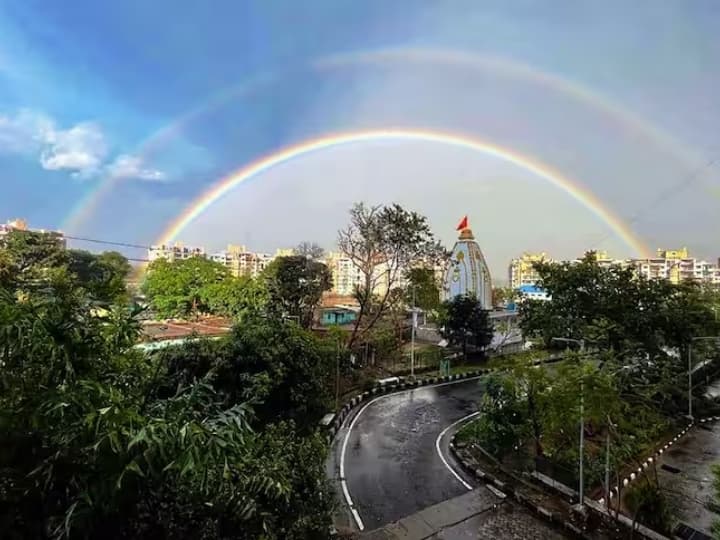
347	276
522	270
677	265
21	225
175	252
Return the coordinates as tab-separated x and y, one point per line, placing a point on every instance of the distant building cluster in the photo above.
238	259
346	275
674	265
21	225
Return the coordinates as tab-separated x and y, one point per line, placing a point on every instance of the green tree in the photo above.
502	423
93	447
382	242
104	275
422	289
295	286
286	371
309	250
716	488
235	297
28	258
464	322
178	288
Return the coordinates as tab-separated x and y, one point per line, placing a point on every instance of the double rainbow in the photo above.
555	178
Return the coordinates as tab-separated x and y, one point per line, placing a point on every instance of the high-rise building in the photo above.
677	265
467	272
21	225
174	252
674	265
347	276
521	271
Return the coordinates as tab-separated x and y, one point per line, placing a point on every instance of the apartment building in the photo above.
521	271
174	252
677	265
21	225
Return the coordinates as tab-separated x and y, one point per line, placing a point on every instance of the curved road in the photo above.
390	460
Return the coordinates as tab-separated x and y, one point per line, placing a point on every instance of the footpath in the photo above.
478	514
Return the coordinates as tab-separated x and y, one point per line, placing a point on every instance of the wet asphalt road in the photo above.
392	467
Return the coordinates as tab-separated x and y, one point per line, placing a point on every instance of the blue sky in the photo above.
83	84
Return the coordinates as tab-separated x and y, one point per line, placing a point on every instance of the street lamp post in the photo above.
581	490
700	338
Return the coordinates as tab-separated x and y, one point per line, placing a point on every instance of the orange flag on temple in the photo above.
463	224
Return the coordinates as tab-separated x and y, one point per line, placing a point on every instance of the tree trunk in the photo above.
535	424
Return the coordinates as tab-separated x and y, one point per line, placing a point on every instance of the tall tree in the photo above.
235	297
422	289
27	258
310	250
104	275
383	242
295	285
177	288
464	322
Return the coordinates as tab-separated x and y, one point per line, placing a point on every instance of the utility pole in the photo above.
412	337
337	375
607	465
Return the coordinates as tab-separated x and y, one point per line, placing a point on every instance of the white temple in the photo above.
467	272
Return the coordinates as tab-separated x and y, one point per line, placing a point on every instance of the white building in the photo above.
347	276
676	266
174	252
21	225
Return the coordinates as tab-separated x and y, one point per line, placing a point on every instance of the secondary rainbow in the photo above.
251	170
391	56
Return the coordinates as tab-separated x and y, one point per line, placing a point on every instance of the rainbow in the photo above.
392	56
251	170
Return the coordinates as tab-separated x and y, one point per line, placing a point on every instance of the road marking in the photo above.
442	458
343	482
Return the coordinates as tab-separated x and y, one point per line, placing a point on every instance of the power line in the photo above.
686	181
83	239
107	242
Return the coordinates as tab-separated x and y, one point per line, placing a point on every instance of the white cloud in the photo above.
81	149
23	132
127	166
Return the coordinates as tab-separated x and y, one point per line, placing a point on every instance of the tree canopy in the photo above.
182	287
295	286
383	242
422	289
464	322
212	439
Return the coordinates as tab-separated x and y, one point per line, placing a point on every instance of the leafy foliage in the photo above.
101	440
103	275
295	285
502	422
464	322
383	242
309	250
422	289
648	324
181	287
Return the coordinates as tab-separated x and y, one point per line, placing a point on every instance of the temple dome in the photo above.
467	272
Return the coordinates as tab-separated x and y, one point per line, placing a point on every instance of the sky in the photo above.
115	117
